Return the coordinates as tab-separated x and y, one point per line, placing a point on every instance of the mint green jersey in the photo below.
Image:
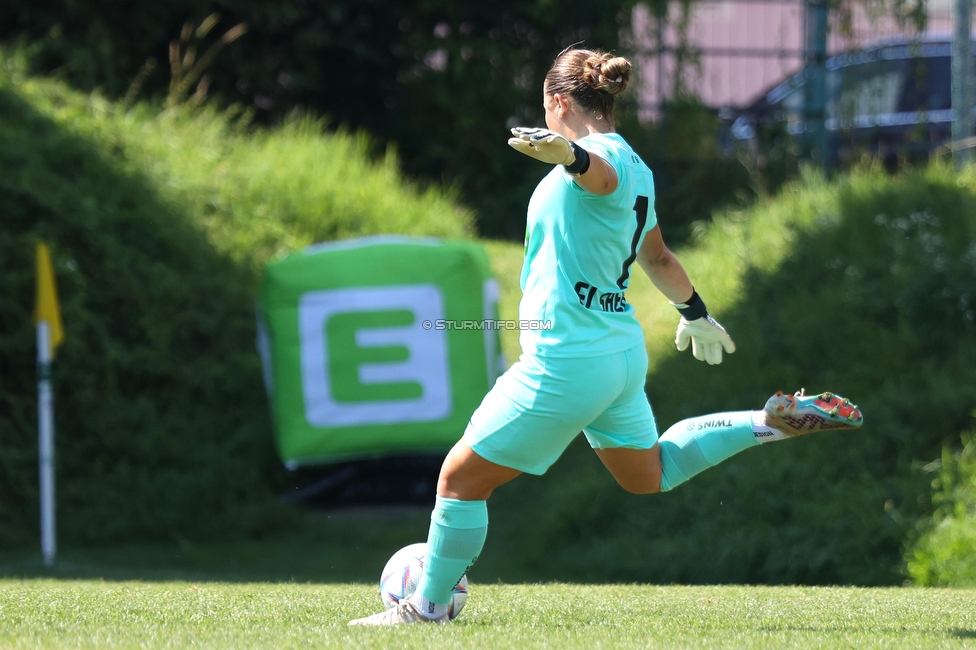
579	248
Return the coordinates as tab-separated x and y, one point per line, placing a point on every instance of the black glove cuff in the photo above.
693	309
582	162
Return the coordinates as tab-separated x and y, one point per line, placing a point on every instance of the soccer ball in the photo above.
402	574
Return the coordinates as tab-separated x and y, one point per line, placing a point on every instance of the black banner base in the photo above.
395	480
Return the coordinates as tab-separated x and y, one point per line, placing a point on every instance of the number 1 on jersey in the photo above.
640	207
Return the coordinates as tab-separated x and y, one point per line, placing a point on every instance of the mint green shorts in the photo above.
536	409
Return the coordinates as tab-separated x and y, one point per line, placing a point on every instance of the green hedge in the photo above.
945	553
159	223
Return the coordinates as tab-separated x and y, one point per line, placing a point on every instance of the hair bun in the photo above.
607	73
591	78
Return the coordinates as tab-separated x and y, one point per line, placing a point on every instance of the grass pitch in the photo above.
46	613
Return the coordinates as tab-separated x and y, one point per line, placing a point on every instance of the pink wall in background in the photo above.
772	31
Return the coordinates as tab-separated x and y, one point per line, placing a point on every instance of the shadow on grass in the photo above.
350	545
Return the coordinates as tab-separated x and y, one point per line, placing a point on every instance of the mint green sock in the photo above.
691	446
457	535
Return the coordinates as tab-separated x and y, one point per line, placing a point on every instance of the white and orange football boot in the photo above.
799	414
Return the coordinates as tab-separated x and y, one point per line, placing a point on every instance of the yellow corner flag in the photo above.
46	308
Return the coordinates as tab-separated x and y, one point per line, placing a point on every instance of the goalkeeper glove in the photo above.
707	337
550	147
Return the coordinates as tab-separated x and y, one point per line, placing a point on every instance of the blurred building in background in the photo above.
886	86
730	52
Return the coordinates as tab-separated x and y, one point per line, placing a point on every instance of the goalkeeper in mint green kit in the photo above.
589	220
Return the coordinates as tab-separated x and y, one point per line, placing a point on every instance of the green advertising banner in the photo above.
377	346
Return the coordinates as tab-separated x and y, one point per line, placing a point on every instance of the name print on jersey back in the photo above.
613	301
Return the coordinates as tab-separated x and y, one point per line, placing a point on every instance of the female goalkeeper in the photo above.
589	219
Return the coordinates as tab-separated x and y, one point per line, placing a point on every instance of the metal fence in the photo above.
857	76
729	52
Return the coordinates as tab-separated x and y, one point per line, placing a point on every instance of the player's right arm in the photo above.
590	171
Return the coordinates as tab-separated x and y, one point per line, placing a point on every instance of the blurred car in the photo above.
891	99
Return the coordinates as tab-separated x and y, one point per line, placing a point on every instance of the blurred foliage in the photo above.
185	68
945	552
442	80
159	223
692	177
864	285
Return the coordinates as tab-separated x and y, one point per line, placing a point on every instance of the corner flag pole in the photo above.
47	318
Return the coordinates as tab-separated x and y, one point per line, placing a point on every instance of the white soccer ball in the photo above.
402	574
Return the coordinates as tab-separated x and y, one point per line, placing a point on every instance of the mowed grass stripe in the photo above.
98	614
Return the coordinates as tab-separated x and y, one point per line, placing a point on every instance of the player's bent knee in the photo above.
452	482
459	480
467	476
642	487
465	488
467	485
642	483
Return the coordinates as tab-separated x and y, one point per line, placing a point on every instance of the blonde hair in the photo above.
592	78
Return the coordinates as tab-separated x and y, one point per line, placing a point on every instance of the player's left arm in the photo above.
590	171
663	268
707	337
